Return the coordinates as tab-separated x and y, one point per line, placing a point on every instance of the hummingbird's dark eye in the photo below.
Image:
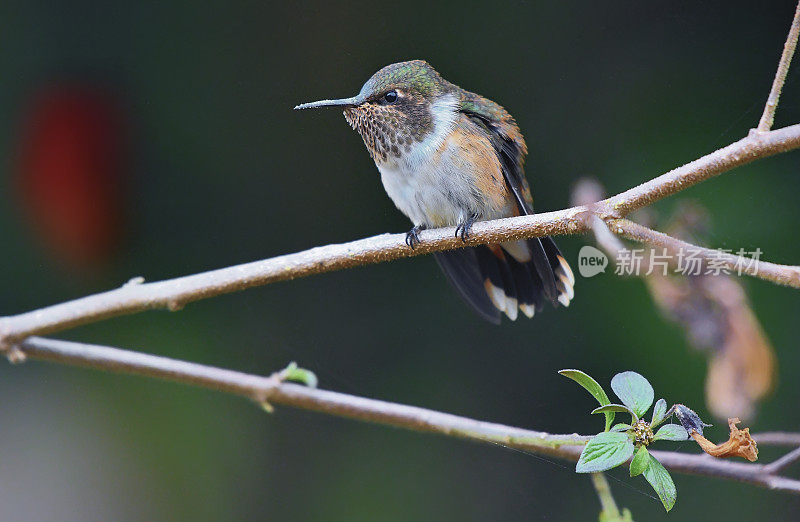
390	97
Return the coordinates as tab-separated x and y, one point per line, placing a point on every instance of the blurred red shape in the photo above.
70	172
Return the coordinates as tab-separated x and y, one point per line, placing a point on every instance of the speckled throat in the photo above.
391	131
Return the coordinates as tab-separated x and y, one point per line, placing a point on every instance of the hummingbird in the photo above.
449	157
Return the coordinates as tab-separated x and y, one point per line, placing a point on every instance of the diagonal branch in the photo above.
780	274
271	390
175	293
754	146
768	117
606	232
784	462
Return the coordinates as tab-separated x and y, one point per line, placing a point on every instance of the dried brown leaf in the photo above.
739	444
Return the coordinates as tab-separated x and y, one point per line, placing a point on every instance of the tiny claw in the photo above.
463	229
412	236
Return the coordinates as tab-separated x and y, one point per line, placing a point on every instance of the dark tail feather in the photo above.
461	268
528	284
543	267
507	278
565	279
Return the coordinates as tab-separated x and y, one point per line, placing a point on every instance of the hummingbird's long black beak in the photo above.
342	102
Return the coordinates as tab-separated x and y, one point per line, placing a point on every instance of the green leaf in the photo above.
621	427
605	451
295	374
640	460
662	483
618	408
671	432
659	412
592	387
634	391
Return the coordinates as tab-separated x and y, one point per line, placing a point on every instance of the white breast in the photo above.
416	193
432	192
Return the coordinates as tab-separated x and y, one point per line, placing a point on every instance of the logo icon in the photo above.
591	261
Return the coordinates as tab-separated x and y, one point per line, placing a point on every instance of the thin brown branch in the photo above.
706	465
753	147
604	232
175	293
778	438
780	274
768	117
784	462
271	390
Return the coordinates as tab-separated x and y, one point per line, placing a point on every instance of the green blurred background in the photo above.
216	169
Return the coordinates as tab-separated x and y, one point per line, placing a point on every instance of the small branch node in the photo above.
263	394
15	355
134	281
175	305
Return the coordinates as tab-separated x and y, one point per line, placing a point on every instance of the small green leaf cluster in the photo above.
296	374
621	442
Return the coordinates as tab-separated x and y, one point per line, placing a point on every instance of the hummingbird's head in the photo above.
397	108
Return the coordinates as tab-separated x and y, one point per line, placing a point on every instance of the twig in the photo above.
271	390
780	274
587	193
768	117
605	238
783	462
778	438
175	293
588	190
754	146
607	502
